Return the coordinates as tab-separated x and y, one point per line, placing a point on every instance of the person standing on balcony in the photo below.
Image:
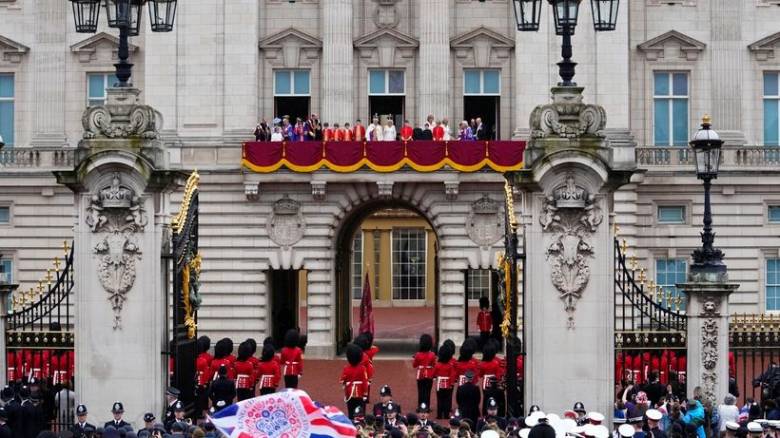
464	132
359	132
438	131
262	133
287	129
389	134
328	134
446	125
407	132
375	130
311	127
299	131
338	132
347	135
482	132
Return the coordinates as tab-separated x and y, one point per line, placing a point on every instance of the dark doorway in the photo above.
291	106
486	107
481	282
283	285
387	105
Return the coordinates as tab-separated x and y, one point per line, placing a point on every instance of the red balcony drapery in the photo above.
383	156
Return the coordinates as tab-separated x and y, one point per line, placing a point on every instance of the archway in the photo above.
395	245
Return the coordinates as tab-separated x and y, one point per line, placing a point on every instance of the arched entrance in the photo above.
395	245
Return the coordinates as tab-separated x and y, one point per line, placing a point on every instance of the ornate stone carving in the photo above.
572	216
121	117
116	213
567	116
385	188
451	189
709	344
252	190
286	225
484	224
386	14
319	190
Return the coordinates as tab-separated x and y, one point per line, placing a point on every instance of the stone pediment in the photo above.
87	50
11	51
386	37
483	43
290	36
764	48
672	45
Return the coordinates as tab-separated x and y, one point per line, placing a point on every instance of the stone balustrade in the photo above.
734	157
36	158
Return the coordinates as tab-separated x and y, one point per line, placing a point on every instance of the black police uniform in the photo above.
116	425
468	398
380	408
222	389
170	415
5	431
79	430
14	411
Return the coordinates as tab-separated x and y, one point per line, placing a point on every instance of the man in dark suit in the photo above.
118	410
78	429
468	398
482	131
5	431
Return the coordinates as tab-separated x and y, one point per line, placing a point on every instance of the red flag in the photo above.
366	310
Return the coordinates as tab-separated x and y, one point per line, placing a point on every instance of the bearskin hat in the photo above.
426	343
224	348
467	350
204	343
244	351
484	303
268	353
354	354
291	338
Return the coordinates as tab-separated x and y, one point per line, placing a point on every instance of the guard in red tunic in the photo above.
363	341
347	135
359	132
328	134
424	361
663	373
466	362
407	131
202	366
222	356
484	321
11	370
444	373
491	372
438	132
682	369
292	359
354	378
245	373
338	133
636	368
268	371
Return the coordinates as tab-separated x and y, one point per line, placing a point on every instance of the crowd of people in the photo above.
311	129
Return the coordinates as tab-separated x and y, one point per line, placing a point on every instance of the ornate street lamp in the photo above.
566	12
706	144
124	15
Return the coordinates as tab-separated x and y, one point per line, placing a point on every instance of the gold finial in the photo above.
48	276
624	246
66	247
57	264
632	264
706	120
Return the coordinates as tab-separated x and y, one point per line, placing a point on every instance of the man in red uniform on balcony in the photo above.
338	132
407	131
347	135
328	134
438	131
359	133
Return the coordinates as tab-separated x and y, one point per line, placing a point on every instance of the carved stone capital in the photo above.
319	190
385	188
121	117
567	116
252	190
451	190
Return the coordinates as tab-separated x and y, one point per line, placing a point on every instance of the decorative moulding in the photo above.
764	49
11	51
386	42
671	2
295	47
482	42
671	45
87	49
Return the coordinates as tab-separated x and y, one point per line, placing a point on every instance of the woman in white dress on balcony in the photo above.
389	132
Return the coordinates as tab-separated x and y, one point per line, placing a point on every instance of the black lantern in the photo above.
706	146
162	13
527	14
2	143
605	13
565	12
85	15
125	13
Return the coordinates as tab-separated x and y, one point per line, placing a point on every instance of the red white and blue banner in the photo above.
285	414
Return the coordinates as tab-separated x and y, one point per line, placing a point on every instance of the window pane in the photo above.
283	85
774	213
7	122
396	85
661	122
471	78
770	122
772	287
5	215
409	264
97	89
680	113
669	272
376	81
671	214
490	82
770	84
680	84
661	81
301	81
6	86
357	265
7	267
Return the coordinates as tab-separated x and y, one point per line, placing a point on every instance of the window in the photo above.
773	213
377	236
481	82
670	114
96	87
357	266
6	270
409	264
773	284
671	214
292	83
7	109
386	82
771	111
5	215
479	284
669	272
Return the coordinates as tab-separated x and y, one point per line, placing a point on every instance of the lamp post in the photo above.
706	144
124	15
528	16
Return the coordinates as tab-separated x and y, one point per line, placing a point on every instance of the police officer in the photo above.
385	397
171	396
149	419
392	419
223	390
468	398
117	409
579	408
81	422
653	419
424	424
32	421
491	406
178	418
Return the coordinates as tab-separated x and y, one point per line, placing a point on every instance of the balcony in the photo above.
734	158
26	159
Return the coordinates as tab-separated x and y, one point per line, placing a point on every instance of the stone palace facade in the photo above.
229	63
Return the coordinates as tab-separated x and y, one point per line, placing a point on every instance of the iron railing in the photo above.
754	344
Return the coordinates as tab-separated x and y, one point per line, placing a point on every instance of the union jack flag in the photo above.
286	414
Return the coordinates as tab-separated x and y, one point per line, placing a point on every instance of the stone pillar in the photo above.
708	337
433	85
337	62
728	55
121	191
6	289
569	182
49	65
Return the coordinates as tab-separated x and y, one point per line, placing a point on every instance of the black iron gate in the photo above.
40	360
754	347
650	328
186	298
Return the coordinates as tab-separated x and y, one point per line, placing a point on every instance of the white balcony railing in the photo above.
734	157
36	158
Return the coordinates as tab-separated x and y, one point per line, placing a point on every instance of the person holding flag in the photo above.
354	379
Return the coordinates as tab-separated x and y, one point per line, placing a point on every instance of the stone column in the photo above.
6	289
433	85
49	65
728	56
121	191
708	337
337	62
